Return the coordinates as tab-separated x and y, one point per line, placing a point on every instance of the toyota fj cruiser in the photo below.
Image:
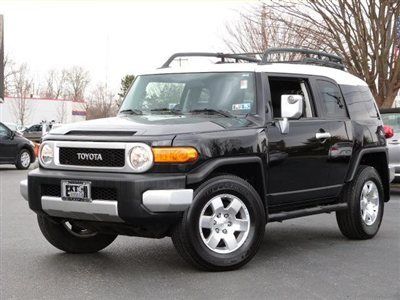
209	155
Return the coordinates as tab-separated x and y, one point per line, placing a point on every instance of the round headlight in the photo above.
46	154
141	158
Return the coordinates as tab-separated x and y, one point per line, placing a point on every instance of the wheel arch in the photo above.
377	158
250	169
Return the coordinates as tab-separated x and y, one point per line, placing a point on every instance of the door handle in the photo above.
322	135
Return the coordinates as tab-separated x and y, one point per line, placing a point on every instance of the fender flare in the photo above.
356	162
203	171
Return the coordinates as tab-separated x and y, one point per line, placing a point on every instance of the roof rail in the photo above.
309	57
222	56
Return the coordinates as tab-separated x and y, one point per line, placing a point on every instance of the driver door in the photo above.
298	167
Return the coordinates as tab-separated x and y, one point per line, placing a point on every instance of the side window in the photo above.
290	86
360	102
3	131
332	99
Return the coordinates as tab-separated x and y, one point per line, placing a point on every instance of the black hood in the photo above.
156	124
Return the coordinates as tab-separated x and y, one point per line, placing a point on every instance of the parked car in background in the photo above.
15	149
391	117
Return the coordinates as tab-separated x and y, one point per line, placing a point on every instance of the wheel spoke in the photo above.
234	207
230	241
217	204
240	225
213	240
206	221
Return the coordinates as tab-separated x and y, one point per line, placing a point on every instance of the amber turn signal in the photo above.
175	155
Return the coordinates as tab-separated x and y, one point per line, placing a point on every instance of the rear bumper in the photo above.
394	172
139	198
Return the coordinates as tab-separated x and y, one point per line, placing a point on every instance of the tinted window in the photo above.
360	102
332	100
3	130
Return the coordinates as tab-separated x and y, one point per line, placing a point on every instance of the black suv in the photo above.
15	149
209	155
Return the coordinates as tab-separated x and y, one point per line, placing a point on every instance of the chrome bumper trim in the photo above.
167	200
23	189
392	173
97	210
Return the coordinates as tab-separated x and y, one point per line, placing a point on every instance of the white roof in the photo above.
341	77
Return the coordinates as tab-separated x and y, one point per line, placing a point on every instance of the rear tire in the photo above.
224	227
364	196
23	159
65	237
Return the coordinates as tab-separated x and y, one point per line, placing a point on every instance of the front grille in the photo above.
98	193
109	157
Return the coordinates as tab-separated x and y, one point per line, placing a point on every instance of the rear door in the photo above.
298	160
334	113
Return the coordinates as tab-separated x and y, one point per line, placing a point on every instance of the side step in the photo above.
285	215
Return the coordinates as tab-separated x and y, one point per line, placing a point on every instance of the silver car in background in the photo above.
391	117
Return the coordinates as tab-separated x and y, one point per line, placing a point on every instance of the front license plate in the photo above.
76	190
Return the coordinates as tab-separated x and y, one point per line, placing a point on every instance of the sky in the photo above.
112	38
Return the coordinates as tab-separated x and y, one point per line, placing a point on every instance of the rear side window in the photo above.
332	100
360	102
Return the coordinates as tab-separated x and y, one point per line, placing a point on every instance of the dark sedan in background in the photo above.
15	149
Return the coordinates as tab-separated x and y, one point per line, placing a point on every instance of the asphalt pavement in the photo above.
305	258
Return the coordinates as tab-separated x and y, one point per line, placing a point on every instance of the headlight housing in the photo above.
141	158
46	154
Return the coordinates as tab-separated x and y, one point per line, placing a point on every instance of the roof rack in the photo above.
222	56
308	57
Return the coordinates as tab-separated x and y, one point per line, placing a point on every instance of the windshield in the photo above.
226	94
393	120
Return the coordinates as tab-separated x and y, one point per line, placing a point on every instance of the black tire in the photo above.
18	163
60	237
350	221
187	238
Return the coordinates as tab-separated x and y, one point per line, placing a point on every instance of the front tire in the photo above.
364	196
72	238
224	227
23	159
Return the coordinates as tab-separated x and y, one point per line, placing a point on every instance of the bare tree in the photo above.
363	32
55	84
62	112
21	85
77	80
258	29
9	71
101	103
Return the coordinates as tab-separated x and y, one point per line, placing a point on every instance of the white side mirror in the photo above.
291	108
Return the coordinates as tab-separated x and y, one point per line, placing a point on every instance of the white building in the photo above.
41	109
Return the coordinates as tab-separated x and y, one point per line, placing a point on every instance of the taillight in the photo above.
388	131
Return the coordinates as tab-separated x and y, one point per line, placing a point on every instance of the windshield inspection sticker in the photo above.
243	84
241	106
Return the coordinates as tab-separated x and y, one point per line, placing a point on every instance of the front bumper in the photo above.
139	198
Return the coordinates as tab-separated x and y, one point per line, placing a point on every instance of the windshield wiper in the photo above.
131	111
213	111
173	110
